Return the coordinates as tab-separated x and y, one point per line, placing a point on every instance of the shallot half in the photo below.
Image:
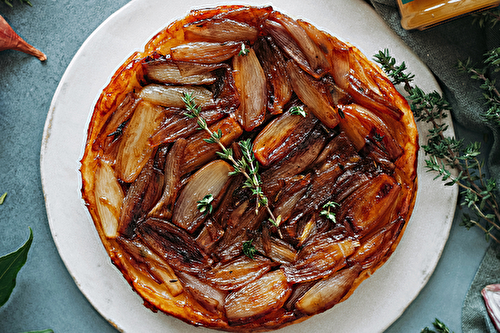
10	40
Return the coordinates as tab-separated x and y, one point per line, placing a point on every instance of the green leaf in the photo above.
10	265
2	198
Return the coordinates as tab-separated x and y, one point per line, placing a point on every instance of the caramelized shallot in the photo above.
109	197
258	298
171	96
219	30
313	94
135	151
205	52
250	81
212	179
238	272
328	291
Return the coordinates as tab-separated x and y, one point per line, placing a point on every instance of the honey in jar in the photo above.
422	14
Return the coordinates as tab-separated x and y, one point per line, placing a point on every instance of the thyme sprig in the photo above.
489	17
491	92
447	156
439	326
326	212
8	3
205	205
249	249
248	166
298	110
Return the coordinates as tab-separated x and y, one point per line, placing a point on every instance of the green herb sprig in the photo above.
446	154
205	204
439	326
8	3
249	249
298	110
327	211
491	92
2	198
248	166
487	18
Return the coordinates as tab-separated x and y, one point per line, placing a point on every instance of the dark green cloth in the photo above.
440	48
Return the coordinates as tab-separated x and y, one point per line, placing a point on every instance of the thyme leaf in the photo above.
205	204
244	51
298	110
439	326
249	249
8	3
327	211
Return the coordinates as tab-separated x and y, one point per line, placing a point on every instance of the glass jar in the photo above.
422	14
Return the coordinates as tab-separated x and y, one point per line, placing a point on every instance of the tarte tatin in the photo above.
247	171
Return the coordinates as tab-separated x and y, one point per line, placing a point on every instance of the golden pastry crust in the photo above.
359	132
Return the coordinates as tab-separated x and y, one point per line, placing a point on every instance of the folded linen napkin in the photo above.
440	48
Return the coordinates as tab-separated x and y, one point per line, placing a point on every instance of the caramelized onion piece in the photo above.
206	295
315	57
258	298
211	179
250	81
165	205
171	96
313	94
174	245
281	136
109	197
374	247
205	52
279	250
379	194
219	30
210	234
118	120
287	44
199	152
141	196
238	272
372	128
153	264
178	126
134	150
328	291
165	71
273	63
321	256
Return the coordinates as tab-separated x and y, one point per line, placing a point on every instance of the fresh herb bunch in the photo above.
8	3
439	326
247	166
452	161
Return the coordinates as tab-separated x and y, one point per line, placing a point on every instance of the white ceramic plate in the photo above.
374	306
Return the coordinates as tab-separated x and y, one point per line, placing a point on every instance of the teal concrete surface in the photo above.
46	295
